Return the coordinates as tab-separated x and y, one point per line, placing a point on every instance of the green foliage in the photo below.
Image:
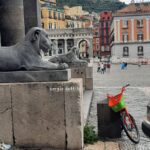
94	5
89	135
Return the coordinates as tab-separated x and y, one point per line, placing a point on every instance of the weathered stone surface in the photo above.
89	71
89	83
39	117
111	146
35	76
74	114
6	133
77	64
11	22
96	146
79	73
32	15
86	73
42	115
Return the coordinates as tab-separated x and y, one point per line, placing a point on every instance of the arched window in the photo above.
140	51
125	51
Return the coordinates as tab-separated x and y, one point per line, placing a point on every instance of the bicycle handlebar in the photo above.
126	85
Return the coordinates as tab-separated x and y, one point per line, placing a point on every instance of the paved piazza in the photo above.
137	97
136	76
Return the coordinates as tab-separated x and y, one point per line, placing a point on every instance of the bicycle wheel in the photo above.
130	127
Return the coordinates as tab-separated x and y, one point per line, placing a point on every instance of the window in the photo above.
106	24
59	16
125	37
97	47
55	25
55	17
107	40
97	40
42	25
96	33
50	25
102	41
102	33
139	23
107	33
42	14
102	24
50	15
140	51
125	23
125	51
63	17
140	36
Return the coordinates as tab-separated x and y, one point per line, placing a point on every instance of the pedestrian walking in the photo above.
125	65
102	68
98	67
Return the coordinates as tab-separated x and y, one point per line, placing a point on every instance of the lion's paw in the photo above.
63	66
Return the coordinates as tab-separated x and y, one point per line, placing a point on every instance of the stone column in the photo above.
66	49
11	21
55	47
32	14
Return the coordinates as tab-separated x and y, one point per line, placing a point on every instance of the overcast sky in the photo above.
128	1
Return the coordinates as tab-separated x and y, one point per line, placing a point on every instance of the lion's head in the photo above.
39	37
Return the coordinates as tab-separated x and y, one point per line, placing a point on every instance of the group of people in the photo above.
102	67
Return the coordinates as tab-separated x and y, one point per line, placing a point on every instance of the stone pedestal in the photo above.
35	76
42	114
84	72
11	21
109	125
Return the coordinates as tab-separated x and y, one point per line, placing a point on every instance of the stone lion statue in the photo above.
25	55
70	58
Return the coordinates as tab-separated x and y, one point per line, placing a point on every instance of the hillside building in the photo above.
52	17
96	40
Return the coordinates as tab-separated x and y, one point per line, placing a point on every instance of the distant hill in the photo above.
94	5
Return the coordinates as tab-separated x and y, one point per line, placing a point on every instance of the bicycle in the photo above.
117	104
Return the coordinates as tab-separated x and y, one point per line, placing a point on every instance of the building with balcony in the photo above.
65	39
130	33
96	40
52	17
104	30
75	11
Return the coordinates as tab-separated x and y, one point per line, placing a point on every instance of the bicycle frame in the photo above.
128	123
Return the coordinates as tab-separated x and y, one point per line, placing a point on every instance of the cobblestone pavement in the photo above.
100	145
136	76
137	97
